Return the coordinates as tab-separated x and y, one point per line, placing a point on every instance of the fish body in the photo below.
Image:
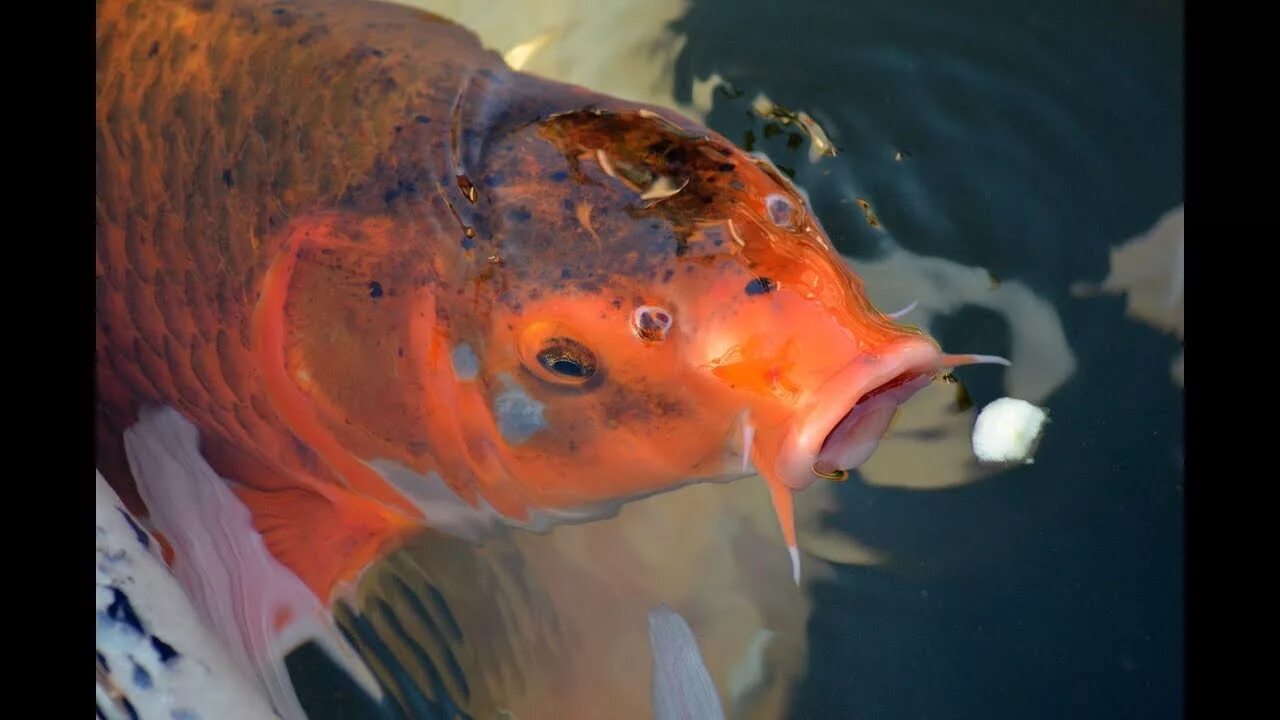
394	284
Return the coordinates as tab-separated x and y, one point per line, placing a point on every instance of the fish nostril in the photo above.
781	211
651	323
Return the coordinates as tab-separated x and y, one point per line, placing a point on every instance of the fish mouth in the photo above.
854	410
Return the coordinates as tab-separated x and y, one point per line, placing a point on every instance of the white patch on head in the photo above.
465	363
223	563
519	416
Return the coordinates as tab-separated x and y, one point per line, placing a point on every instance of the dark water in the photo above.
1034	136
1039	134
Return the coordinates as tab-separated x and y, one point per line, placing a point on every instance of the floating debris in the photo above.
1008	431
820	145
872	220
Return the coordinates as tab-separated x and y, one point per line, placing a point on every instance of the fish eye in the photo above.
566	360
781	211
550	352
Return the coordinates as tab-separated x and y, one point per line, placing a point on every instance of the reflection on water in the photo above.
1148	269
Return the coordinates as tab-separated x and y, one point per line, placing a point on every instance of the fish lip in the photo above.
840	402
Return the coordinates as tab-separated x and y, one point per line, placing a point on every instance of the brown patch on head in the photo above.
680	175
583	200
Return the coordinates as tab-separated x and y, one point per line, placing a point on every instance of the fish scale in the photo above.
166	112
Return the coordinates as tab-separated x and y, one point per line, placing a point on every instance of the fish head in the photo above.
664	308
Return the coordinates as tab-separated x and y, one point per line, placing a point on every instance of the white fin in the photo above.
223	563
682	686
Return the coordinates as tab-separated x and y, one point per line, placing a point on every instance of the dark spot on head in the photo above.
468	243
163	649
226	178
422	119
760	286
520	214
137	531
492	180
399	129
390	195
400	352
375	289
121	610
666	276
559	176
141	677
284	18
659	147
565	273
311	36
155	49
568	204
726	167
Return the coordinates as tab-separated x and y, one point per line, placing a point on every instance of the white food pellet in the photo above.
1007	431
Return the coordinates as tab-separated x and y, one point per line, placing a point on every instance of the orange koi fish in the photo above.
394	285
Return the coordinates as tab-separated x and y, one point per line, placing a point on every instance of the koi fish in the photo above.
393	284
